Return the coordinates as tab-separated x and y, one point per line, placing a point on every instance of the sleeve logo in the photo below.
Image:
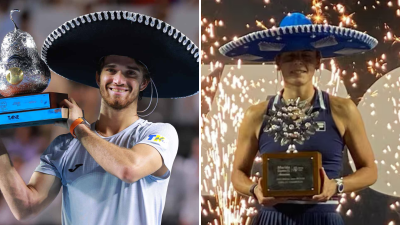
156	138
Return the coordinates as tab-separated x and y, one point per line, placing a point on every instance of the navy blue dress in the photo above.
328	141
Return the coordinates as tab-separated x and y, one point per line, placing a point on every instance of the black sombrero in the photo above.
73	50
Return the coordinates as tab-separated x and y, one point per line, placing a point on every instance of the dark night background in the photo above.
373	209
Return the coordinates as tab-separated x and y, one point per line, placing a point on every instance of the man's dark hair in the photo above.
142	67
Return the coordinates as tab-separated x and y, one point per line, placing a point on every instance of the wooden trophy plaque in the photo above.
292	174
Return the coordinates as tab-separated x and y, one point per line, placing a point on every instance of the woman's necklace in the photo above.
307	107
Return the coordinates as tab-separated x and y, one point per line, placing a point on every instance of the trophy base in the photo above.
292	174
21	103
33	118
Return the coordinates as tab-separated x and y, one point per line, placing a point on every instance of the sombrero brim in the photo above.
74	48
331	41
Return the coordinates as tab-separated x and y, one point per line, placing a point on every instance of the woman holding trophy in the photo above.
297	47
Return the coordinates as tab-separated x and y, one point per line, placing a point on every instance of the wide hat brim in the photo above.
74	49
331	41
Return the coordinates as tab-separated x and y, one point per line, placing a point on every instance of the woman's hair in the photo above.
142	67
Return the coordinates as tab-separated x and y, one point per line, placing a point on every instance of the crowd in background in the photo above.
25	145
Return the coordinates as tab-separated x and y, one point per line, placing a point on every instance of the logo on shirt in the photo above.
321	126
76	167
156	138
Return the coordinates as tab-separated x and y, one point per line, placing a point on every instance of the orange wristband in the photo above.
73	125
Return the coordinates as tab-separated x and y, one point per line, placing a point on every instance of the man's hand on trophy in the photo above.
328	188
266	201
74	112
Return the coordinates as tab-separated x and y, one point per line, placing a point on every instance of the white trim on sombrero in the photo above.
268	46
134	17
325	42
302	29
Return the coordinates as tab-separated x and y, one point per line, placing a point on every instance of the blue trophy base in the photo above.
31	102
33	118
32	110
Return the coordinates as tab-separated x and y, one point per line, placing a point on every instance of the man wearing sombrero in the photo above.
116	170
297	47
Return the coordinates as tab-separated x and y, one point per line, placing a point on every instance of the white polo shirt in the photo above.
93	196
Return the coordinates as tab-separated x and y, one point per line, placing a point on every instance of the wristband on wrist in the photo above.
78	121
74	125
252	189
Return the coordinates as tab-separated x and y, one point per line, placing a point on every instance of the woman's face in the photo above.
298	67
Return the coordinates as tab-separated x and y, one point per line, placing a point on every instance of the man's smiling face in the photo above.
120	81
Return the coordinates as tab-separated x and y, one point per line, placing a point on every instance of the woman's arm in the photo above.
246	151
356	140
247	147
350	125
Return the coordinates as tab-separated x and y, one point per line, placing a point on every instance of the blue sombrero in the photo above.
296	32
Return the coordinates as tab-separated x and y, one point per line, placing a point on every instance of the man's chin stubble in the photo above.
116	105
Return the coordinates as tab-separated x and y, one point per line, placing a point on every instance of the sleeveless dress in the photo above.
328	141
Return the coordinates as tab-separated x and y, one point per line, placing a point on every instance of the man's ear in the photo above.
97	79
144	84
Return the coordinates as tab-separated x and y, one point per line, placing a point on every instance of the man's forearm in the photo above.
14	189
110	157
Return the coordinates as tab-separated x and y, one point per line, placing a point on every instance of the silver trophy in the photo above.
23	76
22	71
